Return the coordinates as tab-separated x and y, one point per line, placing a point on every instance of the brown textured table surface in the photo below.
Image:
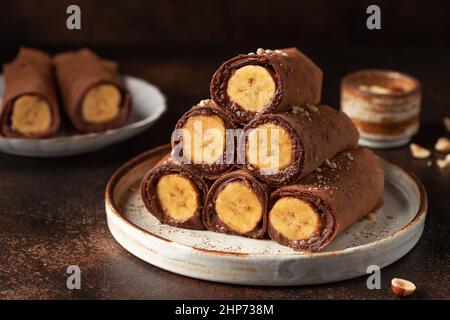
52	212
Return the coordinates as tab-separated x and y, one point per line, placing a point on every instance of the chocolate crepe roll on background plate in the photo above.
29	106
309	215
237	204
282	148
94	99
200	140
267	81
174	194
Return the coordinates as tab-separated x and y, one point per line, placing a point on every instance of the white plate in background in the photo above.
148	105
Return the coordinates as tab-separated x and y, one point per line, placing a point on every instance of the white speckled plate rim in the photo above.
116	215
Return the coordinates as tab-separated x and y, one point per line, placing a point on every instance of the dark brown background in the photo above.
51	210
206	24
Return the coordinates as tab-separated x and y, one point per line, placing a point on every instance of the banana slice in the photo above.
269	147
295	219
204	139
101	103
31	114
238	207
251	87
178	196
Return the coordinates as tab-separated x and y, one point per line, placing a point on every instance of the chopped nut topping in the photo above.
281	52
447	123
330	164
318	170
419	152
295	109
312	107
443	145
349	156
444	163
268	51
204	102
302	111
260	51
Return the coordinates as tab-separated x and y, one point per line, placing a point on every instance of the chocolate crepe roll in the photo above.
94	99
174	194
237	204
30	107
282	148
309	215
201	140
266	82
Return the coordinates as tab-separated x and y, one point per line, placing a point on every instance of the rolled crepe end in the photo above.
101	103
237	204
200	140
174	195
29	108
300	221
270	147
31	115
251	87
177	196
204	138
295	219
273	150
267	81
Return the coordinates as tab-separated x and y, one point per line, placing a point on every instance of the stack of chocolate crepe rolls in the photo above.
296	173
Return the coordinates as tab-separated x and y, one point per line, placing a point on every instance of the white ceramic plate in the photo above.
148	105
233	259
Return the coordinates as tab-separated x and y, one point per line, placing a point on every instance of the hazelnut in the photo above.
260	51
296	109
419	152
372	216
443	145
204	102
402	288
444	163
349	156
312	107
330	164
447	123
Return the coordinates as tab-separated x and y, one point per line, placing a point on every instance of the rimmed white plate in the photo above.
232	259
148	105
